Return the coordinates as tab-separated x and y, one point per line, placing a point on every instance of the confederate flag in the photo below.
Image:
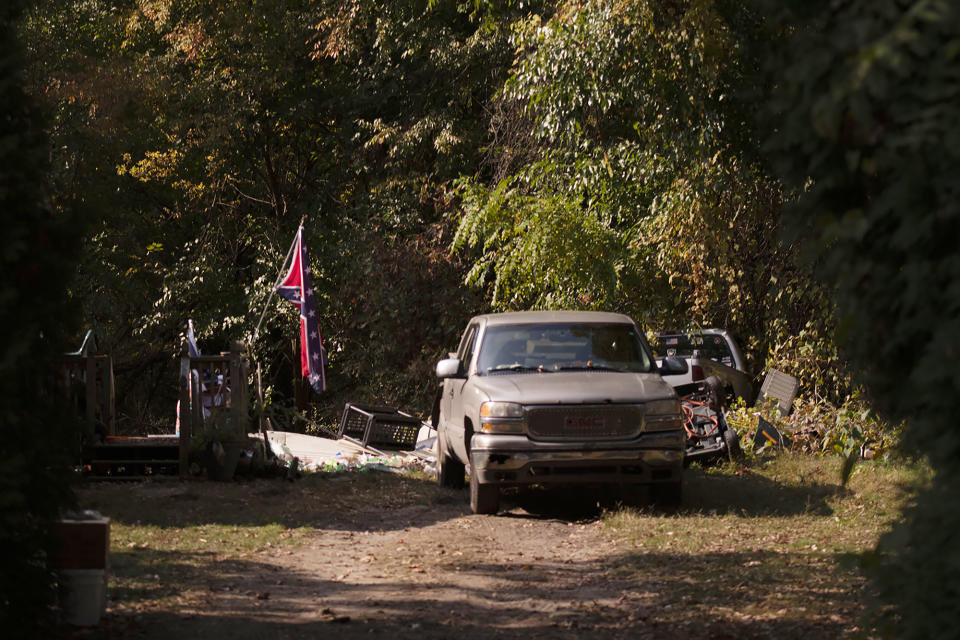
298	289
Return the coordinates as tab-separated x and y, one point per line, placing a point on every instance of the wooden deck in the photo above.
121	458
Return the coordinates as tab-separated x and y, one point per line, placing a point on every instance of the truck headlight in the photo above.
501	410
663	415
663	407
501	417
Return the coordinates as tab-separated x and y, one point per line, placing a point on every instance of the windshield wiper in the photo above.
588	367
515	367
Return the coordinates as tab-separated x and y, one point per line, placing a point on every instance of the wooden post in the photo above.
244	388
259	391
238	392
196	405
186	415
110	400
91	393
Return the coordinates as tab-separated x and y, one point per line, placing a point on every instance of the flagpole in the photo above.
273	289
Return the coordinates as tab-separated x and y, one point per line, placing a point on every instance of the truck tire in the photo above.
484	498
450	471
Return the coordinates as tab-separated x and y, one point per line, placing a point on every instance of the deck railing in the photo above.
88	381
214	399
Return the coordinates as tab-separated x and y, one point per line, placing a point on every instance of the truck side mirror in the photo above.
671	366
449	368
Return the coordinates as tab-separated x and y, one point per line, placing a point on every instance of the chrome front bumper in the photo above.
517	460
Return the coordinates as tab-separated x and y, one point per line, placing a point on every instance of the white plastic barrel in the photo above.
83	564
83	596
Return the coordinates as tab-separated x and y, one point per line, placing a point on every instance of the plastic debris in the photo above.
325	455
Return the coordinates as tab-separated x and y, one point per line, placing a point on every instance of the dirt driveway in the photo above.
396	557
393	575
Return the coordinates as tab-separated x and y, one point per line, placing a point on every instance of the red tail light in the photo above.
696	373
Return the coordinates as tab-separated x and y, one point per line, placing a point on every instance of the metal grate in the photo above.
586	422
379	426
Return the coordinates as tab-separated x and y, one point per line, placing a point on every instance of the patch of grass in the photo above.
787	502
313	499
781	538
203	538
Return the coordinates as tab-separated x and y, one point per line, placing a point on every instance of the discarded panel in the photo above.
767	433
379	426
781	387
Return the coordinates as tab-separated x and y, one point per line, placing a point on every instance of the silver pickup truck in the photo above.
708	353
556	397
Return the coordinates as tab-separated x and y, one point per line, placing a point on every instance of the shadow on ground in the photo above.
636	595
378	501
745	494
350	501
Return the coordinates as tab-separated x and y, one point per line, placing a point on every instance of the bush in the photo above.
35	428
820	428
866	118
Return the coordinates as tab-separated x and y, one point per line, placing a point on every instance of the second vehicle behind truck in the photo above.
708	353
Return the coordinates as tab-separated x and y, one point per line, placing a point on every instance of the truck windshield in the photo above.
553	347
712	347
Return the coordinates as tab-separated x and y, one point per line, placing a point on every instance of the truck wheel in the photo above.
449	470
484	498
667	494
732	440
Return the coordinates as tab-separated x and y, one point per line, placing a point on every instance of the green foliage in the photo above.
850	431
203	132
400	307
575	154
885	217
916	567
623	174
534	249
36	432
867	132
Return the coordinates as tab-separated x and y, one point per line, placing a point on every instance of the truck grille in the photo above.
587	422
